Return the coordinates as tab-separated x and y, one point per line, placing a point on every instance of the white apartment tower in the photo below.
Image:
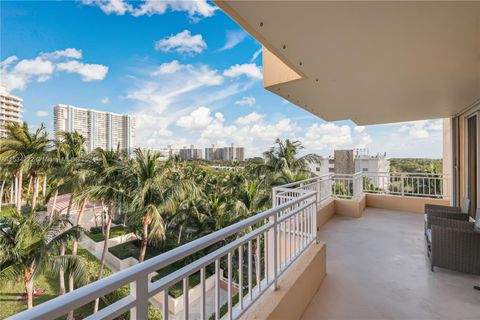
104	130
10	109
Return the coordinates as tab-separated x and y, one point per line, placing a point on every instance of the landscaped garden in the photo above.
97	235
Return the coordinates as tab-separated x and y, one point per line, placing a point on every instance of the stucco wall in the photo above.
409	204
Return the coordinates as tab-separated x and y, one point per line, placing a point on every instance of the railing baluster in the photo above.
217	289
290	237
165	304
141	298
266	261
250	269
257	267
203	293
275	258
229	290
240	276
185	297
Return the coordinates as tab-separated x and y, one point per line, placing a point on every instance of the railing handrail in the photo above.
426	174
61	305
326	175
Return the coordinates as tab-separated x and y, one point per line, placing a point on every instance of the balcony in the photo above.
280	256
377	269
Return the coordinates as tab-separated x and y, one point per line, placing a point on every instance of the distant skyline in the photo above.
185	70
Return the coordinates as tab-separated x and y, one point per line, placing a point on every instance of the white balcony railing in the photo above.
351	186
257	250
406	184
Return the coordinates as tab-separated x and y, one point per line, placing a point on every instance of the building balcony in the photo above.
376	265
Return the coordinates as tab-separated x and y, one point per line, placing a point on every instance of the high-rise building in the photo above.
190	153
10	109
231	153
213	153
104	130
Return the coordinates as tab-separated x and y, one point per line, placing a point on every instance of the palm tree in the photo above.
106	183
159	191
283	160
23	149
69	149
30	247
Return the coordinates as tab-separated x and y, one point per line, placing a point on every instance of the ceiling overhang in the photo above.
370	62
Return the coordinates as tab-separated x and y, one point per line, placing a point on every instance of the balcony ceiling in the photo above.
371	62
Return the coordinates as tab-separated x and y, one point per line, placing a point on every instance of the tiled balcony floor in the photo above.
377	269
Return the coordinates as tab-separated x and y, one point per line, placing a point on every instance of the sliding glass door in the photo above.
472	162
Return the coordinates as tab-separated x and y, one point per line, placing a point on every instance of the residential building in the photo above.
104	130
324	166
190	153
374	63
10	109
351	161
231	153
213	153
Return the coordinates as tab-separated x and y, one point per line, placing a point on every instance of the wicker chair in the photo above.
448	212
453	244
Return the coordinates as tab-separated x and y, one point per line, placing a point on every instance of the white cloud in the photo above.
66	53
88	72
233	38
250	118
327	136
246	101
199	119
182	42
17	74
255	55
195	9
105	100
169	68
421	129
117	7
24	72
41	113
250	70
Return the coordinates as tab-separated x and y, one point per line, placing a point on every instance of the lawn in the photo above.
9	293
96	233
132	249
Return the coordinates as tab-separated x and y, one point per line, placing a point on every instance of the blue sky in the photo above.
187	72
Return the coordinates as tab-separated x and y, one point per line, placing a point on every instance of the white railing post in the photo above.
275	253
314	221
402	176
274	197
139	289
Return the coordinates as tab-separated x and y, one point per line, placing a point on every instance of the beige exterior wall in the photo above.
350	208
325	212
408	204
